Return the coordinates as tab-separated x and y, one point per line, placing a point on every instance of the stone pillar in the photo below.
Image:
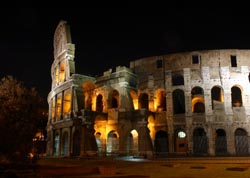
145	143
230	141
88	142
122	137
211	141
50	136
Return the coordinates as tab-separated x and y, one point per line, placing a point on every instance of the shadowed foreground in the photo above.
139	168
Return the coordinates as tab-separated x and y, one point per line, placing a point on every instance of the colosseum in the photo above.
187	103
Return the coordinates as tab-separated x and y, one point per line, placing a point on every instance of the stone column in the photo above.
211	141
145	143
88	142
50	144
230	141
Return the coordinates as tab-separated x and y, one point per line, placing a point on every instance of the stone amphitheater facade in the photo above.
187	103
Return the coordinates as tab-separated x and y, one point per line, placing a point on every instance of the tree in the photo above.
20	115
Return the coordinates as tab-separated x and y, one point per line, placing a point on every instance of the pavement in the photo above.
131	167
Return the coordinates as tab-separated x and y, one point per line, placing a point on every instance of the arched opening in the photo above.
112	143
65	144
143	101
76	143
217	98
132	143
200	145
236	97
220	142
98	142
161	143
178	101
115	99
198	105
56	144
88	89
241	142
99	103
177	79
181	141
160	100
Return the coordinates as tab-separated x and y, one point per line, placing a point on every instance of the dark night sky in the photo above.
105	38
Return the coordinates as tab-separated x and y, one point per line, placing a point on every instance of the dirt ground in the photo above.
228	167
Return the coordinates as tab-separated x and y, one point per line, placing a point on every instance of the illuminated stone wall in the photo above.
194	103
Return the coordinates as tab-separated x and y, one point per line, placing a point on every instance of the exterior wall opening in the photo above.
236	97
200	145
241	142
179	101
217	98
233	61
65	144
198	105
98	142
220	142
177	79
56	144
143	101
99	103
112	143
115	99
161	143
132	143
76	143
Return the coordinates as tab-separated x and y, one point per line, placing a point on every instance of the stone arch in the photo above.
115	99
98	142
220	142
112	143
99	103
241	142
160	100
65	144
88	91
143	101
198	105
200	141
132	142
161	142
180	141
236	96
217	98
178	101
76	143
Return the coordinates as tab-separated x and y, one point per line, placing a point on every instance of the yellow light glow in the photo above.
66	103
134	133
151	126
135	102
196	100
135	99
62	72
58	106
